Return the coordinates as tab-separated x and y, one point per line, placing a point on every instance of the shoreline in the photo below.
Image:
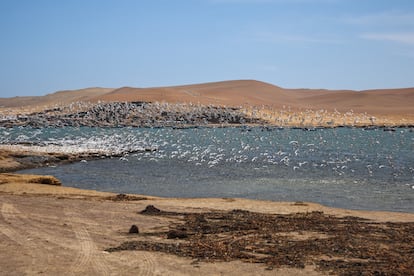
46	185
269	126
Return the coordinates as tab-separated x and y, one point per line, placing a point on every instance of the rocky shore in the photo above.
18	159
155	114
134	114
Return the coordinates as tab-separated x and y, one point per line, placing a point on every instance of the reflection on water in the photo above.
343	167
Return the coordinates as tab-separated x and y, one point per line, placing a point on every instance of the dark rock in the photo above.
133	230
150	209
63	157
389	129
120	197
177	234
124	197
48	180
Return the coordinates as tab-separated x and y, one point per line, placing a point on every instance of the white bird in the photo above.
284	159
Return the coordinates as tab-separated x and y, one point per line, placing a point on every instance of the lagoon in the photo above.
351	168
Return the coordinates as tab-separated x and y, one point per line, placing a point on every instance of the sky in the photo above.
49	45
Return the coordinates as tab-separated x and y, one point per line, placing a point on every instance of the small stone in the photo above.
150	209
176	234
133	230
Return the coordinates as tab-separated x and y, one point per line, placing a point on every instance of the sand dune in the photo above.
60	97
240	93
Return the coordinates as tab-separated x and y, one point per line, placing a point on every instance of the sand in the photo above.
61	234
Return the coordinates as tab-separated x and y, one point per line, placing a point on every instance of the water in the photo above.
343	167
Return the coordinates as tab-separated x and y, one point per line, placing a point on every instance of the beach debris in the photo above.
125	197
177	234
46	179
133	230
29	178
150	209
300	203
339	245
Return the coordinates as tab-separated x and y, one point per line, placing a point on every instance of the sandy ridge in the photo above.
238	93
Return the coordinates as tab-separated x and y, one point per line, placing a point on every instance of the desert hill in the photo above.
239	93
60	97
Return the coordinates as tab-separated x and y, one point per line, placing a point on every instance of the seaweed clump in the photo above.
347	245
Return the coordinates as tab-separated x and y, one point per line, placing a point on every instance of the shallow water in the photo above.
343	167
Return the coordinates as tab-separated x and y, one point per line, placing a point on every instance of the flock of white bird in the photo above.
338	152
116	114
119	113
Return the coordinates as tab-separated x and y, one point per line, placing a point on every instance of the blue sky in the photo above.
49	45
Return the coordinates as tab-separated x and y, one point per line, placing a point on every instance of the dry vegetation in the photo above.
345	246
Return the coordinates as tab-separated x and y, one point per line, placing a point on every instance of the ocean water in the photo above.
342	167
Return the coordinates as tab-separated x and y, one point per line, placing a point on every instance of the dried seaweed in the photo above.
125	197
347	246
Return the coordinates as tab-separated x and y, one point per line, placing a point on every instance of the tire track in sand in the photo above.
87	255
148	264
39	227
20	236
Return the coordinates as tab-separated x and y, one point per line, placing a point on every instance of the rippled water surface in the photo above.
343	167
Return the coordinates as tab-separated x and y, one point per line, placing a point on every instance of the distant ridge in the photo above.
59	97
239	93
